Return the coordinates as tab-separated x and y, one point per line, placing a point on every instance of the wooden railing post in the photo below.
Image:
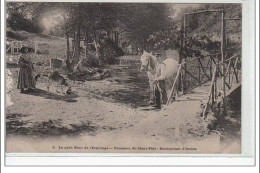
214	92
199	73
215	88
235	72
173	86
218	71
223	59
185	58
229	72
182	87
210	91
210	67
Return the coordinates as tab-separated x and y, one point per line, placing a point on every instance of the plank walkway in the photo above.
200	93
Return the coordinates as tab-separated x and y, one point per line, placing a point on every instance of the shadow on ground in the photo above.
16	126
42	93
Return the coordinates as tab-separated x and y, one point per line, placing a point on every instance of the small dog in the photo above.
61	81
56	77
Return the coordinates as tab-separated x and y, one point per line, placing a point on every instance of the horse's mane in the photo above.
152	62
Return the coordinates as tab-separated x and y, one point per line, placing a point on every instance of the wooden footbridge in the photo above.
209	78
202	79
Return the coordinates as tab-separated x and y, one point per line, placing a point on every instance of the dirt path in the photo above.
106	113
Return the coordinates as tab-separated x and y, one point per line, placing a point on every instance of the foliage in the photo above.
13	35
165	39
20	17
144	25
202	32
138	21
17	22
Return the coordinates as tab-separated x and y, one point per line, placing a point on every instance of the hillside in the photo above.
27	36
209	24
48	46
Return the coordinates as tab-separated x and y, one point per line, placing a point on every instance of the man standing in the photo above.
159	86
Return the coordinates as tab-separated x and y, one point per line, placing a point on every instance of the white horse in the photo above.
158	73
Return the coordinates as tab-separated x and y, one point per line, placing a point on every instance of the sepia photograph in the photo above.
148	78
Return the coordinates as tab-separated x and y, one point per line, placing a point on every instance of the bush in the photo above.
91	62
109	50
17	22
15	36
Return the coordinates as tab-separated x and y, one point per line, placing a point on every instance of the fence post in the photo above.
229	72
35	47
86	43
185	35
210	92
212	95
174	83
223	59
182	87
210	67
199	73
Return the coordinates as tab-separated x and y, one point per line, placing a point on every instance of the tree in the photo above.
21	17
138	21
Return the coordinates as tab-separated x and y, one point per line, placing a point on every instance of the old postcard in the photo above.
84	77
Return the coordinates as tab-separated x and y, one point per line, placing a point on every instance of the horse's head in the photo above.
146	61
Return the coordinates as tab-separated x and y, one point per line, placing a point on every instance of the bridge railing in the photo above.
199	70
195	72
232	75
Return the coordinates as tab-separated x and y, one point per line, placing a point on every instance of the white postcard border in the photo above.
248	115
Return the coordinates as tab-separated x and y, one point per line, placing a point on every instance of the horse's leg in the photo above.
157	96
163	91
151	92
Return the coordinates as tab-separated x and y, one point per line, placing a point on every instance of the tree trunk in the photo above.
68	63
116	38
109	34
86	42
145	46
77	45
180	83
